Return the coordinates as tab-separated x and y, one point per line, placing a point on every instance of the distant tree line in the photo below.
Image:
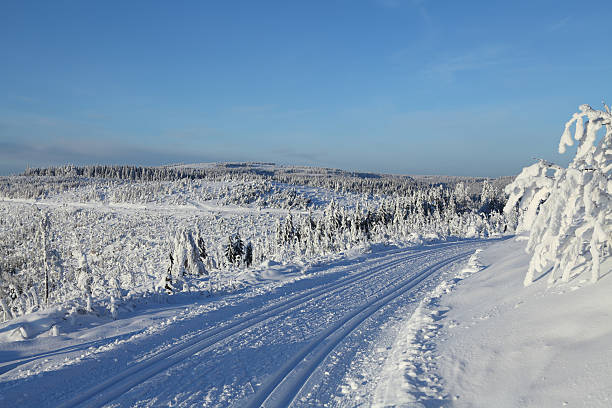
332	179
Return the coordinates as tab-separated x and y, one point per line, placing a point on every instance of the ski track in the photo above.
292	378
115	386
377	283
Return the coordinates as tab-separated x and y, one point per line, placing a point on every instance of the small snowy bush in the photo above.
568	211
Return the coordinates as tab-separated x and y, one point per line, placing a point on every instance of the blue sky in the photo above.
414	87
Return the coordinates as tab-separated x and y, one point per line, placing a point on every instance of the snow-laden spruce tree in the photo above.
569	211
187	256
528	191
84	279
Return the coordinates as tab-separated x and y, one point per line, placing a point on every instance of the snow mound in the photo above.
505	345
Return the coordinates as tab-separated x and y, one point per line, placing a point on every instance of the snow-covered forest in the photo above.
102	234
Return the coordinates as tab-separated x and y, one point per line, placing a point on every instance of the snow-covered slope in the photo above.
484	340
505	345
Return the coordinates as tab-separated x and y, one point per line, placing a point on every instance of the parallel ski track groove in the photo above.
391	283
289	381
136	374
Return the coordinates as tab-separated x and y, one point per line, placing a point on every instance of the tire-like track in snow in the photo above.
287	382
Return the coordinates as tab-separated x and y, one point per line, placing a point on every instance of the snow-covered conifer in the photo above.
248	255
571	231
84	279
528	191
44	248
229	252
187	256
6	310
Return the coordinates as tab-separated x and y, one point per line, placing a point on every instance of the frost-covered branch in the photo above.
569	213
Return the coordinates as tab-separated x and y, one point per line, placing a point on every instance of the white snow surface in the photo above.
481	339
446	324
277	342
504	345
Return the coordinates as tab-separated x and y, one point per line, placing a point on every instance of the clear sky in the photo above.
414	87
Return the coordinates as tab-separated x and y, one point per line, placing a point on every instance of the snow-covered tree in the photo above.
165	283
234	249
201	247
248	255
44	248
528	191
187	256
238	248
569	212
489	200
84	279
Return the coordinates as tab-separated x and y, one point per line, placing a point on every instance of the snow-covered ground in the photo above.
71	240
280	341
482	339
506	345
446	324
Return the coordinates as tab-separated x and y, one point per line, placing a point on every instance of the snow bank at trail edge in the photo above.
506	345
485	340
409	376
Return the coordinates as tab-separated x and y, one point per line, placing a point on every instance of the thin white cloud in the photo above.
399	3
27	99
255	108
472	60
558	25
